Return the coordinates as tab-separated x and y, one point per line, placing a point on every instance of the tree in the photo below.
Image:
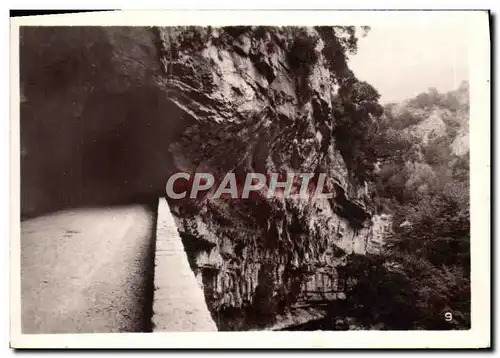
426	187
355	126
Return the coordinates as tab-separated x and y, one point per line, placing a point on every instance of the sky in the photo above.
401	62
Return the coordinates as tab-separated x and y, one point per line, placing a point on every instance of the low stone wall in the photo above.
178	302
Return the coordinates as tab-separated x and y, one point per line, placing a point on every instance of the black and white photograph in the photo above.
215	176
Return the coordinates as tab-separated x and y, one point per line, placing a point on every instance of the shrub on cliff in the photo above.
339	42
302	57
357	112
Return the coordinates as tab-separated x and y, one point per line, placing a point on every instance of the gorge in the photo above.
108	114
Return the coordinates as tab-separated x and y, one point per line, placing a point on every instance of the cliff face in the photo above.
256	110
138	104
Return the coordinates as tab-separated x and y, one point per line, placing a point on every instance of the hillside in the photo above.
422	180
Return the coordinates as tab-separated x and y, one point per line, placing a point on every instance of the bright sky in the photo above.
401	62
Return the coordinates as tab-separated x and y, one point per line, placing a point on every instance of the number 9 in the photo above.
448	316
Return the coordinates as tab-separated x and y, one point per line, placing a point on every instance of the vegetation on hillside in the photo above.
422	280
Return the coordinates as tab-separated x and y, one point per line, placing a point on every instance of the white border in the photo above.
479	70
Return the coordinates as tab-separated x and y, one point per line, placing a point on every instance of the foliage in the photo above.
302	56
337	47
406	293
425	100
356	112
193	38
424	271
438	151
403	120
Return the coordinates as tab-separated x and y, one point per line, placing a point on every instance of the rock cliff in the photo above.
138	104
261	101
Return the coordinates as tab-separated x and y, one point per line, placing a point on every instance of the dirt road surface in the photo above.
87	270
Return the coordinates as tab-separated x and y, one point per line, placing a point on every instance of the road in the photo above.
87	270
